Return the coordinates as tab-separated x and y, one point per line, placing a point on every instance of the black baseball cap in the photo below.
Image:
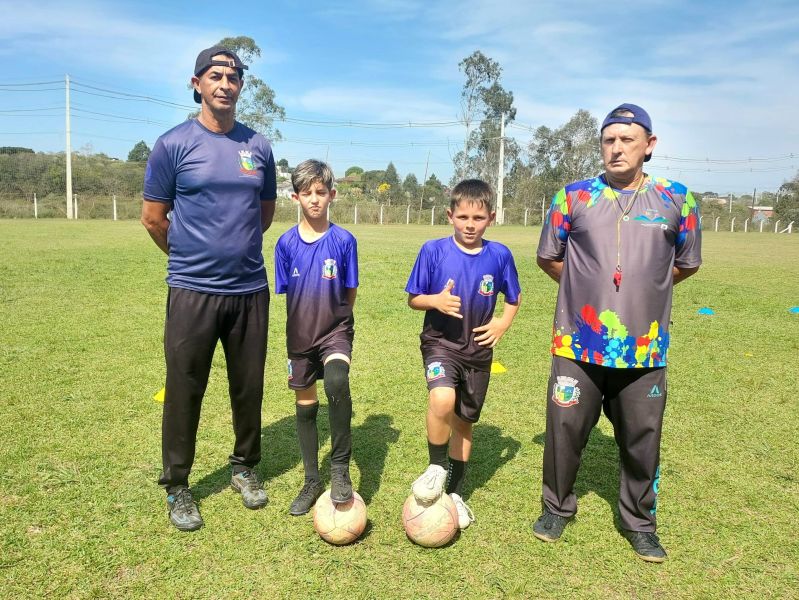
639	116
205	60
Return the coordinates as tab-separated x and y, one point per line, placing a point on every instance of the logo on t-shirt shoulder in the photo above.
486	286
435	370
329	269
246	163
565	392
651	218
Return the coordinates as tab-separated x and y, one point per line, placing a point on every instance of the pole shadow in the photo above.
370	442
490	450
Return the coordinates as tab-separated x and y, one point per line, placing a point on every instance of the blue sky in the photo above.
720	79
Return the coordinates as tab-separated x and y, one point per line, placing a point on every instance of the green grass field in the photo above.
81	317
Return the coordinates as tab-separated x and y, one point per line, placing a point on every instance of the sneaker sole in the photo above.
294	513
250	506
651	559
545	538
341	500
426	498
184	527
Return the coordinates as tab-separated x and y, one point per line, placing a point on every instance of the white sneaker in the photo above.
465	515
430	484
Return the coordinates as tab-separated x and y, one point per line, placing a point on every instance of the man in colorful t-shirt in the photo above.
616	244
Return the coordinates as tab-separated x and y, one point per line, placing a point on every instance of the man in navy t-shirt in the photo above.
209	193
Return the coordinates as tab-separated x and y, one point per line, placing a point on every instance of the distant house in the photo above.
761	213
284	189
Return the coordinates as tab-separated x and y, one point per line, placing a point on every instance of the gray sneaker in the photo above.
549	526
183	511
306	498
646	545
252	491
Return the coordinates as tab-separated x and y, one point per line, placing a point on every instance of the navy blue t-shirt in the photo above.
478	278
215	183
315	277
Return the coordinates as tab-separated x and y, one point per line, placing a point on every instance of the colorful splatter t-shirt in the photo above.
596	321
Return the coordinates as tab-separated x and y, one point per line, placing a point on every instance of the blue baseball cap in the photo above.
639	116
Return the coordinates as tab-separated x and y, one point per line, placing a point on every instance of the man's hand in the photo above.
446	302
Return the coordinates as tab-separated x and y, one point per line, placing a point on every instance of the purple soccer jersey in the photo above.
215	184
478	278
315	277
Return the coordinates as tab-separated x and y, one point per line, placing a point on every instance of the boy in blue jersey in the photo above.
316	266
456	281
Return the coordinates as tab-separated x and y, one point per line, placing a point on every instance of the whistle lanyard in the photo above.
622	214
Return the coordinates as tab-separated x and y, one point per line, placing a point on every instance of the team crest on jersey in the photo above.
246	163
565	391
295	272
487	286
329	269
435	370
291	371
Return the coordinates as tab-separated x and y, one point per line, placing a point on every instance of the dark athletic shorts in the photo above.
305	369
446	369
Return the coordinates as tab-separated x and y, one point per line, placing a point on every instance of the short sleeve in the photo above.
281	266
269	191
511	287
159	176
688	247
351	262
419	280
556	228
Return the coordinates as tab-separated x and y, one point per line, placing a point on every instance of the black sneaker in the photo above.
183	511
306	498
549	526
340	484
646	545
252	491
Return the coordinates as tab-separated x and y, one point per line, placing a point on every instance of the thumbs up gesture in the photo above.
447	302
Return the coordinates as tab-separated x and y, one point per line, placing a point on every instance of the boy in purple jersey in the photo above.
316	266
456	280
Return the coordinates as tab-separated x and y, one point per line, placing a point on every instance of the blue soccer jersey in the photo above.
215	183
315	277
478	278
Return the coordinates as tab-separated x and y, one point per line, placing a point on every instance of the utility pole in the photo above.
68	155
501	178
754	195
421	193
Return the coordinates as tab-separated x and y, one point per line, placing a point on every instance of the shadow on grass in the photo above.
490	450
280	453
599	470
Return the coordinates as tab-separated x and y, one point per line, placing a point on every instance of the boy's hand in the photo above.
448	303
491	332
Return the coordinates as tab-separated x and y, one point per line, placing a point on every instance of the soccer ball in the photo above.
339	523
430	525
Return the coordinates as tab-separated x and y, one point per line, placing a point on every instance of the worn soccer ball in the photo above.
430	525
339	523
